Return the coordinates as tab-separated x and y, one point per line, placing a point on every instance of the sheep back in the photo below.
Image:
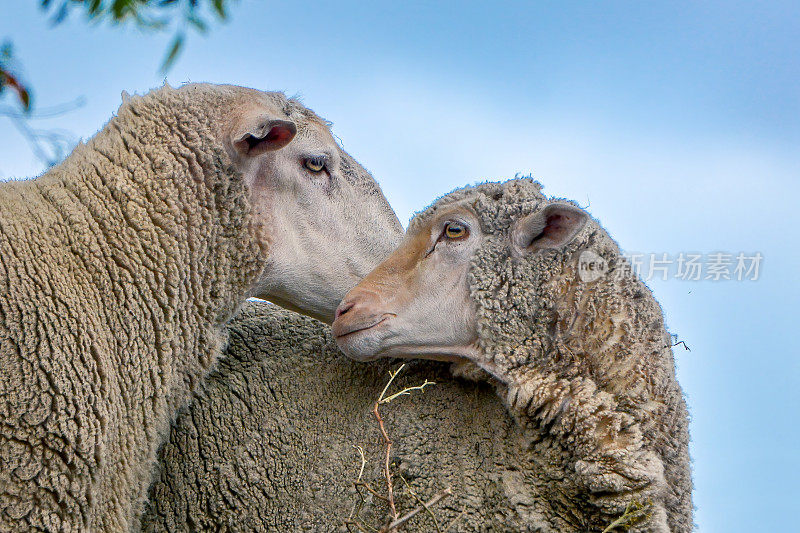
268	443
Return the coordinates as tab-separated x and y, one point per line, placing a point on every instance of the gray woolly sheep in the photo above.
491	276
120	267
267	444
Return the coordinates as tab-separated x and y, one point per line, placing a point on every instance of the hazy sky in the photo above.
677	125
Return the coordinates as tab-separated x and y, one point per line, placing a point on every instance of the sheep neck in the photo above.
537	318
138	246
584	364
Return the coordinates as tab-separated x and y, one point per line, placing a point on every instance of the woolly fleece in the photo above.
267	442
119	269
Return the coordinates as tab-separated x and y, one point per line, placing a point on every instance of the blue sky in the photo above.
678	125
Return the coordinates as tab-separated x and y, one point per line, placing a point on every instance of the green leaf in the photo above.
174	49
94	7
219	7
119	9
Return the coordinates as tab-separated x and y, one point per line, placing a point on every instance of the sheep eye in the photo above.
455	231
315	164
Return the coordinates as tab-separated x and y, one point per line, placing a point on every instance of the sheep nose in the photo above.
344	307
359	310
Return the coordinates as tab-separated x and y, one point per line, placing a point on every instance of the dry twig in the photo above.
458	517
387	473
387	442
412	513
420	502
396	520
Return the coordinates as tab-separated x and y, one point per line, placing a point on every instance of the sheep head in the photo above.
319	217
440	294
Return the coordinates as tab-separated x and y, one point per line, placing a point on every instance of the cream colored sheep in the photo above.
490	276
120	267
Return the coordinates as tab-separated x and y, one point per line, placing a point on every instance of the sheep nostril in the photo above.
343	308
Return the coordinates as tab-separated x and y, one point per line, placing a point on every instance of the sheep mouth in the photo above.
347	330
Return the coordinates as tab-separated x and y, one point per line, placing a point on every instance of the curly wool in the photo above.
267	443
588	365
120	268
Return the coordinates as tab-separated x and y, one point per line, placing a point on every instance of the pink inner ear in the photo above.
553	226
278	134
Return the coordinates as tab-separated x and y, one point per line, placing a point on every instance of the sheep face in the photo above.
320	216
417	302
421	302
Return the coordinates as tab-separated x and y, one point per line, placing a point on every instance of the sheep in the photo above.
121	266
267	443
489	277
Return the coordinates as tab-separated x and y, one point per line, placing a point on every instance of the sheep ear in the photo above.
552	227
265	136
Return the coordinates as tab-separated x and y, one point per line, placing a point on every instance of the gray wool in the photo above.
588	365
267	443
119	269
